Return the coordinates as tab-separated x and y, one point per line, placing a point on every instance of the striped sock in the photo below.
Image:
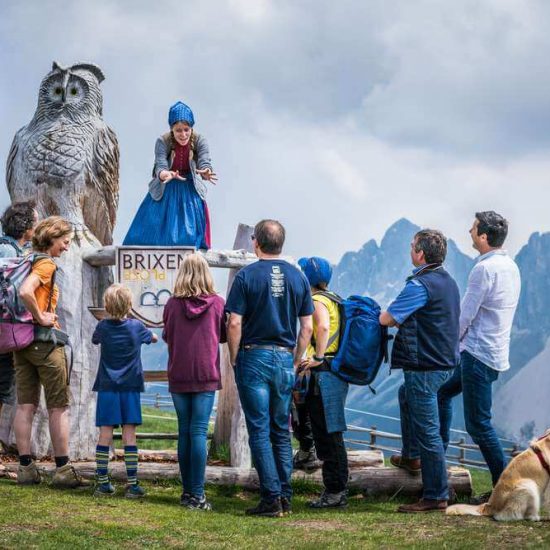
131	461
102	461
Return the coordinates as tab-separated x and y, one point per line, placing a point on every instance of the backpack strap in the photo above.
52	287
8	241
330	295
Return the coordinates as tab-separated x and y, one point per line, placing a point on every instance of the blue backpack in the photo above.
363	340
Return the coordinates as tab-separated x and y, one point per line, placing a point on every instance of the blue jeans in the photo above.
264	379
474	380
193	410
421	431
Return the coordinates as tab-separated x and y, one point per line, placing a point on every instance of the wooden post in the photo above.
373	437
230	428
462	454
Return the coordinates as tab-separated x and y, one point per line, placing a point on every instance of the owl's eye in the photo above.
58	90
74	91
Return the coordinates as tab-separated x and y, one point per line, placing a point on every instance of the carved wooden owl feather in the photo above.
67	158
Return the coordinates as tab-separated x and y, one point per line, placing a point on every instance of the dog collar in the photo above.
541	458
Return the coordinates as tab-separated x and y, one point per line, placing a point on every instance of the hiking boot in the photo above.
196	503
306	461
184	499
330	500
267	509
104	490
28	475
481	499
424	505
135	490
67	477
286	506
412	465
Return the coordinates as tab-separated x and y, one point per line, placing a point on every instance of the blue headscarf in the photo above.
317	270
180	112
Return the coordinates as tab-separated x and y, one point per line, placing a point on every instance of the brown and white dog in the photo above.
521	490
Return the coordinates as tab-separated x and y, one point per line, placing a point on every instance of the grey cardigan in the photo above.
163	160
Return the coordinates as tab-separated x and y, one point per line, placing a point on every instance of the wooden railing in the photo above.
460	445
458	450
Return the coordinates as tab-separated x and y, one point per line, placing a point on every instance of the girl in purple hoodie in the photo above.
194	327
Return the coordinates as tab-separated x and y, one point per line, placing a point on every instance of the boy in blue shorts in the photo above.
118	385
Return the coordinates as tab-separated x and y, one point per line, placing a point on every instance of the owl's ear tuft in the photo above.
94	69
57	67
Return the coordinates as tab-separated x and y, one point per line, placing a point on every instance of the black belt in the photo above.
248	347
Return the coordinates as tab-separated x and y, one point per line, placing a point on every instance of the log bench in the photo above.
371	480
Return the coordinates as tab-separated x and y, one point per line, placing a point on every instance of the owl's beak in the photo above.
64	86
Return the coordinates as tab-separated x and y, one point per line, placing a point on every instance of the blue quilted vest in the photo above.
429	339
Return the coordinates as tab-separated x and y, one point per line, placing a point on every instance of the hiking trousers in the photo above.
330	447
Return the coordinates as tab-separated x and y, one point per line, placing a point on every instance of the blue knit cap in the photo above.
302	262
317	270
180	112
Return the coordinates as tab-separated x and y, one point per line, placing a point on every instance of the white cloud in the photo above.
337	118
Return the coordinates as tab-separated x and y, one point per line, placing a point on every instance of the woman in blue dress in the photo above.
174	212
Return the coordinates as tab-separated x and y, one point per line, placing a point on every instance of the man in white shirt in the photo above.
487	312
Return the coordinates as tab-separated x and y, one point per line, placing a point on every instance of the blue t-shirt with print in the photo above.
270	295
120	366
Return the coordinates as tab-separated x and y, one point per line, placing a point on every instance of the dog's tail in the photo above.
466	510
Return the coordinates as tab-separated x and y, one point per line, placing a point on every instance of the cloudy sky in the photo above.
337	118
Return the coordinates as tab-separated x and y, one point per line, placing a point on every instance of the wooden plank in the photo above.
372	481
230	259
155	375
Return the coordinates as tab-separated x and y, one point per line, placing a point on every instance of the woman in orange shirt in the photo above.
42	364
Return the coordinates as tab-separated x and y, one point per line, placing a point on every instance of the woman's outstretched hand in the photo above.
167	175
207	174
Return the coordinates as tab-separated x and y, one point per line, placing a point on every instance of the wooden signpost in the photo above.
150	273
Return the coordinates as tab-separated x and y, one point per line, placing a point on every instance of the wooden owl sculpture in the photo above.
67	158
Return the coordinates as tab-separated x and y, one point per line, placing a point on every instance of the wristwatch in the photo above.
318	359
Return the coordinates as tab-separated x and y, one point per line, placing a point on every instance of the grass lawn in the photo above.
41	517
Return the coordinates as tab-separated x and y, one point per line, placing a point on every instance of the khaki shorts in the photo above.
34	367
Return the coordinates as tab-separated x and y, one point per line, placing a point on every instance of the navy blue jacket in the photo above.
429	338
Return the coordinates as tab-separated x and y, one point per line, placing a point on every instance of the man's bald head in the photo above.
270	236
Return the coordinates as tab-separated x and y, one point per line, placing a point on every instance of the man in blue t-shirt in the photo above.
266	301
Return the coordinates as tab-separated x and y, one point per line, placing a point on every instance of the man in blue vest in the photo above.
426	347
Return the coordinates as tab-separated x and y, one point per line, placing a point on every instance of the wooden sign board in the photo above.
150	273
